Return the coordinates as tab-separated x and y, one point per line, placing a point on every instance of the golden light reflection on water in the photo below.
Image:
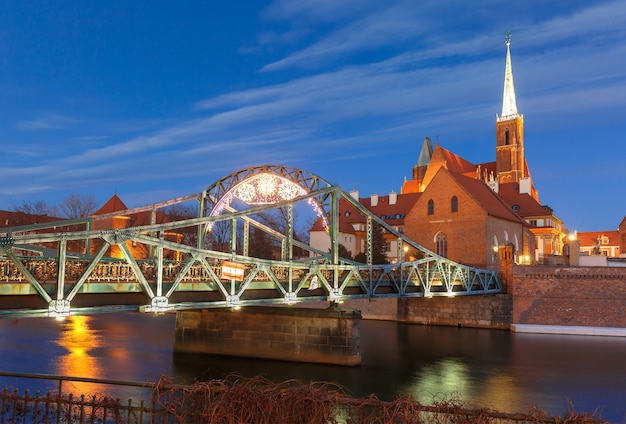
451	379
79	340
442	380
501	392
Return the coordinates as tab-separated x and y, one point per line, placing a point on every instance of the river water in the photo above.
492	368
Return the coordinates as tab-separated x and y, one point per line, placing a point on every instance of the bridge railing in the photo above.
198	282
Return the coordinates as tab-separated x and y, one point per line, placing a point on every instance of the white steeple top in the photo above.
509	107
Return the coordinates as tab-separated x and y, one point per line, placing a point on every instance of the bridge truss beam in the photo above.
200	279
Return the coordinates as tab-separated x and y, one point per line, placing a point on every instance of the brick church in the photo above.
464	211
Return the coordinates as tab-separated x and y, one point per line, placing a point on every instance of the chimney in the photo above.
374	200
494	186
354	194
393	198
524	185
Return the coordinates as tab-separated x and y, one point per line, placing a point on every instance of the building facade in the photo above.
508	177
467	212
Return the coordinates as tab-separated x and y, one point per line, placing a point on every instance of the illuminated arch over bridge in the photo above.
265	185
60	281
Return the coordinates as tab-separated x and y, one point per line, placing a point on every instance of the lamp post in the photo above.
405	249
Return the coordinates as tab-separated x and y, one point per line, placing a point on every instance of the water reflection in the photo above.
454	379
441	380
497	369
79	340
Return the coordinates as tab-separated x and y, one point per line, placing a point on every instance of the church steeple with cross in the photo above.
509	106
510	161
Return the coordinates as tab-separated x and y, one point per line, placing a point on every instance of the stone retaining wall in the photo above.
484	311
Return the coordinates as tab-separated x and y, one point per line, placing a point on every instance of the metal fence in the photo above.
60	407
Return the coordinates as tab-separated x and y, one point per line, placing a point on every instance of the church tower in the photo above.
510	162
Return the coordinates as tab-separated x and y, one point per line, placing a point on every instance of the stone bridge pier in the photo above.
329	336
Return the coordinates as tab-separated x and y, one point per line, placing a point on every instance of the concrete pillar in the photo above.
328	336
574	252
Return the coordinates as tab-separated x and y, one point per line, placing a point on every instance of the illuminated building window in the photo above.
454	204
431	207
441	244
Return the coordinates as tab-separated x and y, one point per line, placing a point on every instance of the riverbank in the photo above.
249	400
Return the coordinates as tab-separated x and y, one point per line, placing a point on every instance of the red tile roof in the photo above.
17	219
588	238
391	214
348	215
528	206
410	186
490	201
114	204
454	162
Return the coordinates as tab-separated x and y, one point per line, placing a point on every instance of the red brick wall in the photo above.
464	229
470	231
576	296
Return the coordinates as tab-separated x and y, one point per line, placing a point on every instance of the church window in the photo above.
506	136
431	207
515	208
441	244
454	204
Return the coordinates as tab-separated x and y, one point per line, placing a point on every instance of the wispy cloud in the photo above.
358	83
49	121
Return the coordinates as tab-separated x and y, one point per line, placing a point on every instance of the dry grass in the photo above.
238	400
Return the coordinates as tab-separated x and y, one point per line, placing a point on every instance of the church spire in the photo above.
509	106
510	161
425	153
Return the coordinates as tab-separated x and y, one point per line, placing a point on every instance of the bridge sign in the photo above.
233	271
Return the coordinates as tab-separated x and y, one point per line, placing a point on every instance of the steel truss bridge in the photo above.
44	273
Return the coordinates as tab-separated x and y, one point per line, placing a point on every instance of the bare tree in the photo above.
35	208
178	212
218	238
78	206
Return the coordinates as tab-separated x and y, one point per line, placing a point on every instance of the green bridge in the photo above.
43	273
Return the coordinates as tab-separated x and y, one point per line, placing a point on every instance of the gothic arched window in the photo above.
431	207
441	244
506	136
454	204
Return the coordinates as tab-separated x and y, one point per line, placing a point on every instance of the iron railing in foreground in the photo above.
61	407
239	400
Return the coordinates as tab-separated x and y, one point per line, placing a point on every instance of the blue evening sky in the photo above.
154	100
